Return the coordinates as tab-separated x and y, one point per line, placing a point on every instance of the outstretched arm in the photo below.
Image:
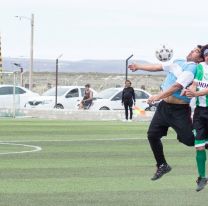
146	67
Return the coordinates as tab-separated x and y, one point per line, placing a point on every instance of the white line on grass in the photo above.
35	148
85	140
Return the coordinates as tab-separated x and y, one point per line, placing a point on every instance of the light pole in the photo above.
31	19
21	72
127	65
57	62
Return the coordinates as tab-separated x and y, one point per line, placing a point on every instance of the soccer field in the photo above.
67	163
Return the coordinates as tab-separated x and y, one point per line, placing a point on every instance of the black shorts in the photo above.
177	116
87	103
200	120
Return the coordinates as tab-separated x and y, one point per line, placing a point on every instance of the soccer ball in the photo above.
164	54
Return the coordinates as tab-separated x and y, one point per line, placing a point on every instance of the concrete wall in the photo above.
79	115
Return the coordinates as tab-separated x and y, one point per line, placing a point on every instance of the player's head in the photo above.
196	55
205	53
87	86
127	83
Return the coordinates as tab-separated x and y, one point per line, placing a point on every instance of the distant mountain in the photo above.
44	65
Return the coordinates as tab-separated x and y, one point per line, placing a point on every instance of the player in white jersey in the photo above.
199	90
174	111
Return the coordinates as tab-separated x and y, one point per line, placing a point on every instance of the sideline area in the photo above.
101	115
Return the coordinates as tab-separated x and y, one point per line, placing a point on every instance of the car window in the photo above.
141	95
73	93
52	91
117	97
6	90
107	93
19	91
9	90
82	92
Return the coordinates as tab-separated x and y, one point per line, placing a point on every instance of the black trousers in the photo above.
128	108
177	116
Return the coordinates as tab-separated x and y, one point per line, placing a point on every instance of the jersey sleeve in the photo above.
187	76
173	68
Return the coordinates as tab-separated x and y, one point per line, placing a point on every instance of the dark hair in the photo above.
128	81
203	49
200	47
87	85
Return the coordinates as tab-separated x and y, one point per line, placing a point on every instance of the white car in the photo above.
17	98
110	99
68	97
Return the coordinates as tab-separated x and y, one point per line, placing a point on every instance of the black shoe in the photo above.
206	146
201	183
161	170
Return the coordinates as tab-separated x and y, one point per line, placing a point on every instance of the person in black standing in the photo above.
128	99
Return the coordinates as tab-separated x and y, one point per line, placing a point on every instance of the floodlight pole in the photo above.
31	19
57	62
31	52
127	65
21	72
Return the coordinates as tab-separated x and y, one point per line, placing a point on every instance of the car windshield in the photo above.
106	94
52	92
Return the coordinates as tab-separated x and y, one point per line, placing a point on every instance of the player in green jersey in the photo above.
199	90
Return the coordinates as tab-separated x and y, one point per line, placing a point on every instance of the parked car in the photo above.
68	97
19	96
110	99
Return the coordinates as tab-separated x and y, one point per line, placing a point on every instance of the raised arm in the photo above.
146	67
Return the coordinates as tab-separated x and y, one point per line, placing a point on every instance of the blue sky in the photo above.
102	29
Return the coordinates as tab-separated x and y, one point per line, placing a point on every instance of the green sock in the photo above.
201	159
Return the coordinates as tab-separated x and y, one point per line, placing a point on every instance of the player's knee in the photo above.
187	142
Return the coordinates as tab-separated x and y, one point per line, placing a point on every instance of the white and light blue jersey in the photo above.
182	72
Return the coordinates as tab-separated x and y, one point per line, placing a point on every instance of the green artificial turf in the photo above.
91	164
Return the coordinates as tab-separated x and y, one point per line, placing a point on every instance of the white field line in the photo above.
35	148
85	140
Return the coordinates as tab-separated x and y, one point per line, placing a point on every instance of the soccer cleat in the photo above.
161	170
201	183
